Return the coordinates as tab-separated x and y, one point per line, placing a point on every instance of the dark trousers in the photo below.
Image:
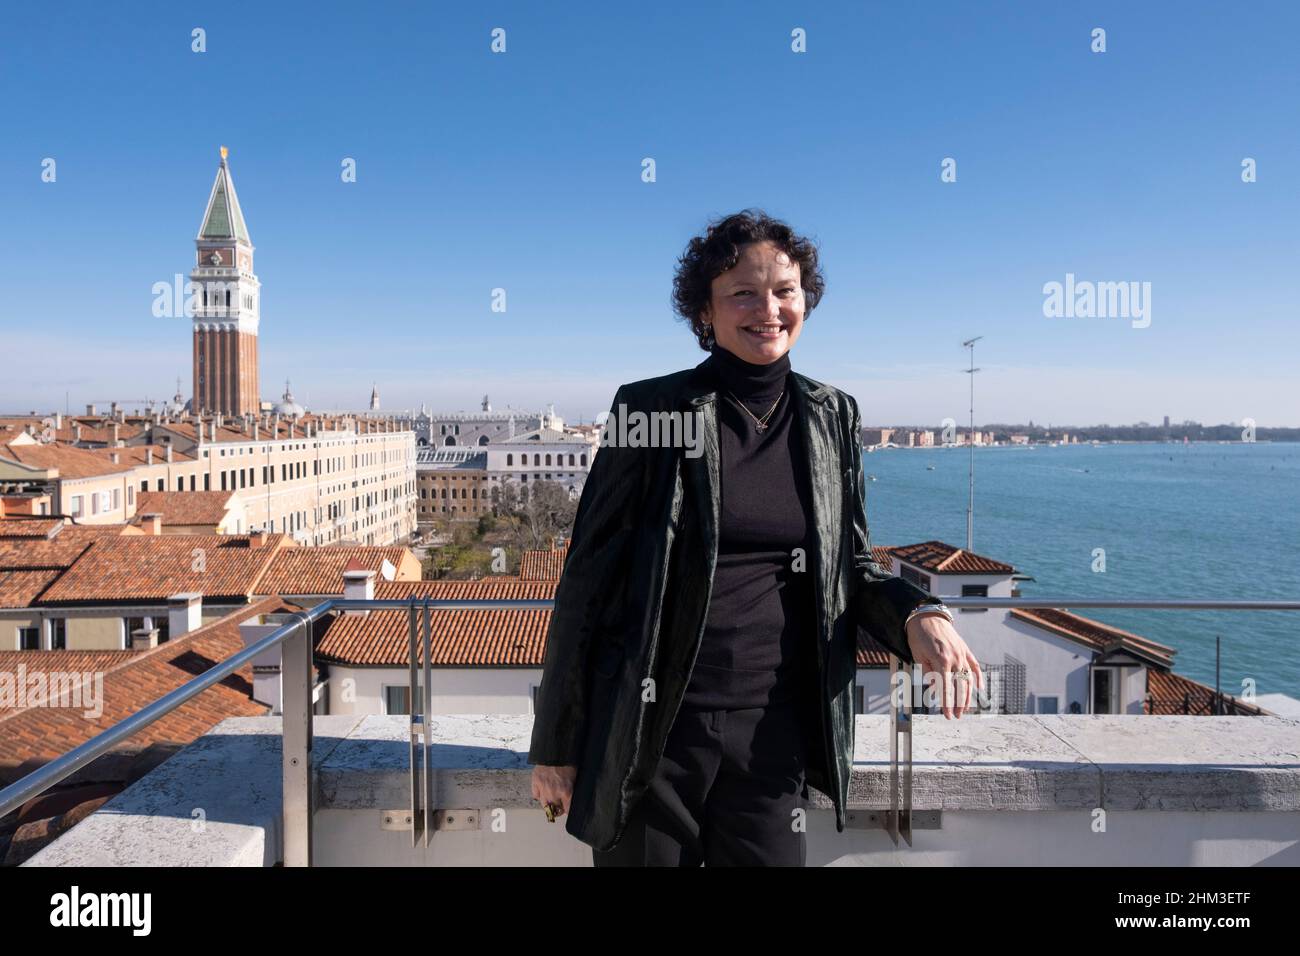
725	793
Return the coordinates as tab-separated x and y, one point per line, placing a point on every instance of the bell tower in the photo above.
226	306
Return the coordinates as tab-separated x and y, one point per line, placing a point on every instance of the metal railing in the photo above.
297	670
899	821
296	673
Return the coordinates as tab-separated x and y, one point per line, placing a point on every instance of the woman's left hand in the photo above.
939	649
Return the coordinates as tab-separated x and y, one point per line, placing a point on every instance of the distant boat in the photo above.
871	477
929	467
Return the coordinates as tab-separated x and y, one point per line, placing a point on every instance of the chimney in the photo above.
115	458
148	455
76	432
184	614
255	431
90	410
143	638
213	437
151	523
258	539
116	436
266	666
58	420
358	585
168	451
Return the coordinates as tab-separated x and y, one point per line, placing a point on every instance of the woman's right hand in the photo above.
554	785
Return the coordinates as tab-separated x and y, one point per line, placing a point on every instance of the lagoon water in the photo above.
1201	521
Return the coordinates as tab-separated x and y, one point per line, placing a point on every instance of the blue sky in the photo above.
523	171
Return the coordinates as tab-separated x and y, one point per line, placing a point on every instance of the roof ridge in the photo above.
1119	633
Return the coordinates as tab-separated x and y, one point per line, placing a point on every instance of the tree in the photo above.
546	512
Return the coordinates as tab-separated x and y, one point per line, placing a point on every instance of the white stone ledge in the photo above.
1011	763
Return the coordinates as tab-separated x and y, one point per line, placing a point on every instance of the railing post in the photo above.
427	709
900	725
416	725
295	715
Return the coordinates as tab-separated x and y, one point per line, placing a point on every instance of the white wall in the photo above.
459	690
1054	665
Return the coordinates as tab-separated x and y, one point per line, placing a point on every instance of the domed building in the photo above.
287	407
178	405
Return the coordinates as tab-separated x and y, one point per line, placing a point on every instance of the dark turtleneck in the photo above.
757	646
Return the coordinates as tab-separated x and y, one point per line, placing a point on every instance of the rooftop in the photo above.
1007	790
62	461
208	508
942	558
543	565
152	568
35	735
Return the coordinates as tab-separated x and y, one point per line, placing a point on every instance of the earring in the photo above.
708	334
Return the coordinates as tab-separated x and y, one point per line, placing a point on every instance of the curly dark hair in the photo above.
708	256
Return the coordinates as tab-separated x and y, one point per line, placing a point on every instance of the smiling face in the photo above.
757	307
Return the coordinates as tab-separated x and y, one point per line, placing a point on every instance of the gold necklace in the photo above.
759	423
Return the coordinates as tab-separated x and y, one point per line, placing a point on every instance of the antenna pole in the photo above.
970	503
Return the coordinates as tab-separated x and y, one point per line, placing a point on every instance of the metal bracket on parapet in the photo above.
421	703
900	726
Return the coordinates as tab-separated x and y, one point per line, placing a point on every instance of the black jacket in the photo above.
632	601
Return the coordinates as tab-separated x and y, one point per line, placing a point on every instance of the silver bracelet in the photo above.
929	609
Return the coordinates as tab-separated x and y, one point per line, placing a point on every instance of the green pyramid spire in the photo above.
224	219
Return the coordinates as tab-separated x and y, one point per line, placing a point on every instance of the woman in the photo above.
701	655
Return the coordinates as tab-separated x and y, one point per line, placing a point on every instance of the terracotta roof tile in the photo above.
186	507
60	551
23	588
36	735
136	455
498	587
460	638
1096	635
943	558
71	462
29	527
319	570
1170	693
543	565
149	567
65	662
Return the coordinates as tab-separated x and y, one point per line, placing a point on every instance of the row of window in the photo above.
537	460
101	502
922	581
30	639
